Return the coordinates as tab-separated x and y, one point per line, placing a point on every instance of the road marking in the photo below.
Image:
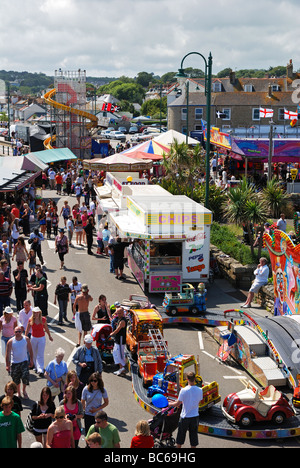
228	377
62	336
200	338
209	355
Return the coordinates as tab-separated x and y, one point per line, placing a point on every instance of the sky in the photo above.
124	37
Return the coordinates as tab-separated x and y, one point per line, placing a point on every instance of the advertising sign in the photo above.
164	282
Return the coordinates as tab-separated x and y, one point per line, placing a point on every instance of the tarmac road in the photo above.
123	410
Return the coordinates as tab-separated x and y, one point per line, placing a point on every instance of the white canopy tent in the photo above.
169	137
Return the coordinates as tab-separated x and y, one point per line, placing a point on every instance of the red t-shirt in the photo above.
16	212
58	179
142	442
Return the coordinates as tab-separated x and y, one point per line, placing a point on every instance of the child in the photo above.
32	261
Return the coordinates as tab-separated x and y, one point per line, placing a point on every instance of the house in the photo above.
239	99
26	112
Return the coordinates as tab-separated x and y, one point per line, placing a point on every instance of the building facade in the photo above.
238	99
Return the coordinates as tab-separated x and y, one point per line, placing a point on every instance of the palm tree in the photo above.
182	165
275	197
257	211
245	206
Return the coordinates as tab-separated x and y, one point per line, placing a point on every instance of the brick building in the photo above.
239	98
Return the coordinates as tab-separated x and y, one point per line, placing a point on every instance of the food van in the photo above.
170	237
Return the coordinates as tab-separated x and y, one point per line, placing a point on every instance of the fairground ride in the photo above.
67	111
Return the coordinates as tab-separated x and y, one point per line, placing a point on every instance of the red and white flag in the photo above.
289	115
265	113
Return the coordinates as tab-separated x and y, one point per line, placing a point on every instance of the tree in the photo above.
152	107
144	78
246	207
169	77
183	166
224	73
124	88
275	197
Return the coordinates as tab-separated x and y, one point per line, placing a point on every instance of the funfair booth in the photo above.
171	240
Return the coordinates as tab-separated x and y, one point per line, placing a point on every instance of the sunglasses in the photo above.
59	417
94	380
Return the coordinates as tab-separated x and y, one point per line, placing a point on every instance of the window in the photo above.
275	87
248	88
255	114
217	87
198	113
183	113
281	114
228	114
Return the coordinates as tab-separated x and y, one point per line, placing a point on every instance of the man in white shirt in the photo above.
75	287
281	223
51	175
261	278
189	398
25	314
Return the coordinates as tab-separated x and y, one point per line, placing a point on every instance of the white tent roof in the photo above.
167	138
28	162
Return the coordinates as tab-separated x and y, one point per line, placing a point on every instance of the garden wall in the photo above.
241	277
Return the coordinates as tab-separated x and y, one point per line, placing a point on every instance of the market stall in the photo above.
171	239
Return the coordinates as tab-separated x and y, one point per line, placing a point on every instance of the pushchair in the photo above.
163	425
100	334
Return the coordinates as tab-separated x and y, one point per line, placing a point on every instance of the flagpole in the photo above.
270	151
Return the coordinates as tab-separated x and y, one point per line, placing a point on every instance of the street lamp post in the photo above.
208	73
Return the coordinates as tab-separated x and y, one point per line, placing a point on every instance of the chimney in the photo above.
270	90
232	77
289	70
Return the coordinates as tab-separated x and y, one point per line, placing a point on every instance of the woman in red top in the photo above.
38	325
60	433
74	411
142	437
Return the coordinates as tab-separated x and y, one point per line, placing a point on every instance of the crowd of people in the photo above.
71	403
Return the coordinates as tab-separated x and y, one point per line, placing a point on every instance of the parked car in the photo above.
251	405
142	128
105	133
136	137
151	130
133	129
117	135
123	130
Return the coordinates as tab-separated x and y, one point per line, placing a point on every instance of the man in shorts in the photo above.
82	317
119	334
261	279
189	398
17	363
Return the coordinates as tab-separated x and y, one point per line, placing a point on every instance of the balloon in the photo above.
129	179
160	401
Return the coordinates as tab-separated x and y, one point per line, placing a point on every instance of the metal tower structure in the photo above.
68	111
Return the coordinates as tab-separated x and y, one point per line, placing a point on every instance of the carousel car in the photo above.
251	405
